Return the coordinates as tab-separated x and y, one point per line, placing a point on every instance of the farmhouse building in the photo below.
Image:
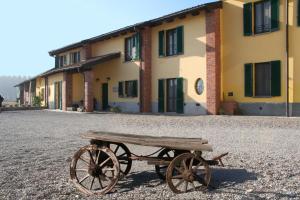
207	59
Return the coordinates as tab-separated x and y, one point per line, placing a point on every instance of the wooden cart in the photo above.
96	168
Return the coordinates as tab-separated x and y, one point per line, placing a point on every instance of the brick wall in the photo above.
145	71
213	61
66	90
88	91
86	52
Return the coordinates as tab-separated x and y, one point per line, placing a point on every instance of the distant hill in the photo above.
7	89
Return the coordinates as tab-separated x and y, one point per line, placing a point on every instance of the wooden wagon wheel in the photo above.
94	170
187	172
166	154
124	156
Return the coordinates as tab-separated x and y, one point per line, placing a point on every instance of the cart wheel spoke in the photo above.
82	170
84	178
193	185
92	183
179	183
184	164
178	169
98	156
177	177
100	182
86	162
124	157
107	162
104	162
191	163
116	150
185	186
180	172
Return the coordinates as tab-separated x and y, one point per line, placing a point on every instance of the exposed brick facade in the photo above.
213	61
86	52
145	71
88	91
66	90
46	93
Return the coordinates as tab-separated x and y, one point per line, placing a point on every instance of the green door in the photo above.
104	96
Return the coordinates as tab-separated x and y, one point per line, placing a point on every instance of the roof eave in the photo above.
153	22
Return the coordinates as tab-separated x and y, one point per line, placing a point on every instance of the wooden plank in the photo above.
145	140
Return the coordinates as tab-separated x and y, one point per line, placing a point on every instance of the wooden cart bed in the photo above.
180	143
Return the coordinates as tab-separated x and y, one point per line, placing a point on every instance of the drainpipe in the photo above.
287	107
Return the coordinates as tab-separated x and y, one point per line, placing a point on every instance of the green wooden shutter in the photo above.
54	95
56	61
275	78
180	40
180	96
120	89
161	41
248	19
298	13
134	88
161	96
137	46
274	15
248	80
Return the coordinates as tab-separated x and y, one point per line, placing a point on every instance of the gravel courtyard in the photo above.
37	146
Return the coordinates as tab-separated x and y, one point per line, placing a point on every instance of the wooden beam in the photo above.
144	140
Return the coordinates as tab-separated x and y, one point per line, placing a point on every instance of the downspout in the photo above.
287	107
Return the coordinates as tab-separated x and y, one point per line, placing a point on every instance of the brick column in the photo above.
46	93
88	91
21	91
213	61
145	71
86	52
66	90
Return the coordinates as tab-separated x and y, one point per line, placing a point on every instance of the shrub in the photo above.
115	109
36	102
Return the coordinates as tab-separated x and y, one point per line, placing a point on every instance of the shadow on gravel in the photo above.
138	179
222	177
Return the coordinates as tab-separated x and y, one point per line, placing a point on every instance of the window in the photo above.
130	89
62	61
75	57
132	47
262	12
263	79
266	17
171	42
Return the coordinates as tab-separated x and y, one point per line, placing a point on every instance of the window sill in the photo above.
129	61
262	33
170	56
124	97
260	97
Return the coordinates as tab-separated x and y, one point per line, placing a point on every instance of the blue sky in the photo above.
31	28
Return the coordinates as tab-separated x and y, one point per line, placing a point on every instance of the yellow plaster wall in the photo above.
294	59
40	84
78	87
238	49
191	65
116	70
51	81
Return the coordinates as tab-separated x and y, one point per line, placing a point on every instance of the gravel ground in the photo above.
37	146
